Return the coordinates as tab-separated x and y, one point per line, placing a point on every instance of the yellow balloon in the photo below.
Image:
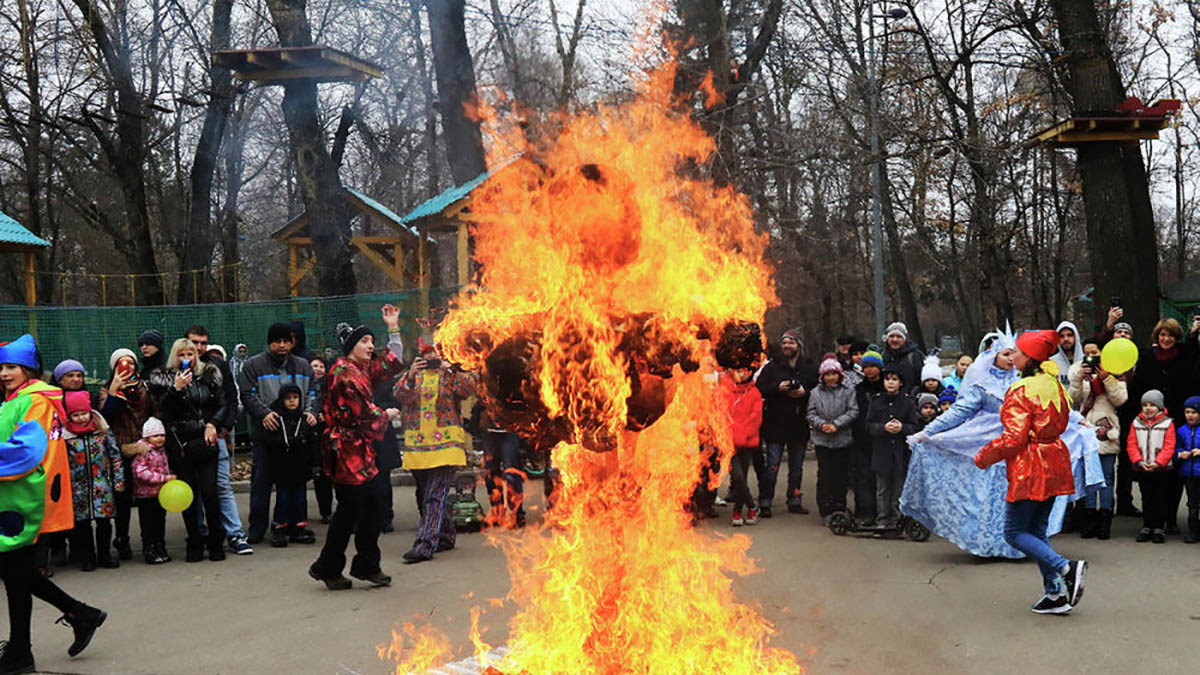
175	496
1118	356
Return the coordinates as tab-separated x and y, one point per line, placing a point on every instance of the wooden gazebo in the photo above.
275	65
385	240
14	238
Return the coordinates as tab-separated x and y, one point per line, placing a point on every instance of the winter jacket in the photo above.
952	381
784	417
1098	402
1067	361
432	413
290	448
185	413
835	405
126	411
228	387
865	392
1035	413
1188	439
889	450
1175	378
264	374
744	403
97	472
34	470
908	358
1154	439
150	468
353	422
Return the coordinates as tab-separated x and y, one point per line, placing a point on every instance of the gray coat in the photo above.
833	405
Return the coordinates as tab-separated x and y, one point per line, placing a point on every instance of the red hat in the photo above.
77	401
1038	345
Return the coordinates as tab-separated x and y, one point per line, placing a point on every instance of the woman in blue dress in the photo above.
947	493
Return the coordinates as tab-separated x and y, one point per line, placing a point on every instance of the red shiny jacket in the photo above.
1035	413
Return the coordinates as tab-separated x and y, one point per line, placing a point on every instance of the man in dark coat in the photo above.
899	351
784	383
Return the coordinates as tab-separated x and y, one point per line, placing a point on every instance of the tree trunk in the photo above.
316	173
895	254
234	164
126	155
456	88
32	151
200	235
1116	195
433	176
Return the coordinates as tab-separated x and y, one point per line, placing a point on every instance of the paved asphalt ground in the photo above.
843	604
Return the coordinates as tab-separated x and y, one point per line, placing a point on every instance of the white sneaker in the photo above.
720	502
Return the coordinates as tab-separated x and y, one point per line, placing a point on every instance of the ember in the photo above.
614	282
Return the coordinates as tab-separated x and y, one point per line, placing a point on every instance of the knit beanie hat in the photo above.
1193	402
153	427
151	337
793	334
67	366
349	336
897	328
948	396
1153	396
926	399
932	370
872	358
1123	326
120	354
78	401
830	364
279	332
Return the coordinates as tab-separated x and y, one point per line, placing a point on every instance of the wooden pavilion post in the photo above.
30	278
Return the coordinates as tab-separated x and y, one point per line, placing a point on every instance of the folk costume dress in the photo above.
947	493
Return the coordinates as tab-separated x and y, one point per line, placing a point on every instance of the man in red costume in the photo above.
1035	413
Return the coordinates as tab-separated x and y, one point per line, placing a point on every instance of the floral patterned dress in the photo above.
433	433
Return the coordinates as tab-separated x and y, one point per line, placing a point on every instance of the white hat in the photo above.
897	328
153	427
218	349
932	370
120	354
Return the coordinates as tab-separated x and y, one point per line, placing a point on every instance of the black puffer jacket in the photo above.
784	417
186	412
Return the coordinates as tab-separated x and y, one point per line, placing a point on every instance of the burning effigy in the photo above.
615	279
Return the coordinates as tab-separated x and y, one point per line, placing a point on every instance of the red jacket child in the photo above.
746	409
1151	443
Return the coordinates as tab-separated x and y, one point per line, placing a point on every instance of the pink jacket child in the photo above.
150	468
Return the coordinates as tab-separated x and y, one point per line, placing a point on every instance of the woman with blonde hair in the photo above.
192	406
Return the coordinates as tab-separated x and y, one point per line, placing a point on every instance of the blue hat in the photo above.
68	366
22	351
950	396
1193	402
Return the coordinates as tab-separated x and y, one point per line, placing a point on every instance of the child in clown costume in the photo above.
35	498
1035	414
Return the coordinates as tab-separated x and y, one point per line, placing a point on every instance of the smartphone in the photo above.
433	364
1115	301
185	364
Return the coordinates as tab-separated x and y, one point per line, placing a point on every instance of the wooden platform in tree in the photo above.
277	65
1132	121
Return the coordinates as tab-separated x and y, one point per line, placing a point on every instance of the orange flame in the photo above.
712	97
416	649
599	238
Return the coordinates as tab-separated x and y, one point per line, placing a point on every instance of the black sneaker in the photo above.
1158	537
279	539
1052	605
216	553
1073	578
302	535
764	512
377	579
84	621
1143	535
414	556
194	555
337	583
15	660
124	551
163	556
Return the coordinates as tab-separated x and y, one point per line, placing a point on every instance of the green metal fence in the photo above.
90	334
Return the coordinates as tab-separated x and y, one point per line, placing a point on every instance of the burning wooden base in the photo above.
473	666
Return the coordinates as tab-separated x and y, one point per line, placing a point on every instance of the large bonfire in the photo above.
615	281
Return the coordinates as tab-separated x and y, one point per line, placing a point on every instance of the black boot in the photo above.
1104	531
16	659
84	621
1091	524
150	554
124	552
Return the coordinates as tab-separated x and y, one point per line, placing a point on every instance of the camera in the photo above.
1092	362
793	385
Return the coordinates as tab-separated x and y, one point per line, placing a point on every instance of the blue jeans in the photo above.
260	490
229	510
291	505
1025	524
502	460
769	473
1105	494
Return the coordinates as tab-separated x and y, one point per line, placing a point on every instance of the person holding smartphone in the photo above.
125	404
1098	395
